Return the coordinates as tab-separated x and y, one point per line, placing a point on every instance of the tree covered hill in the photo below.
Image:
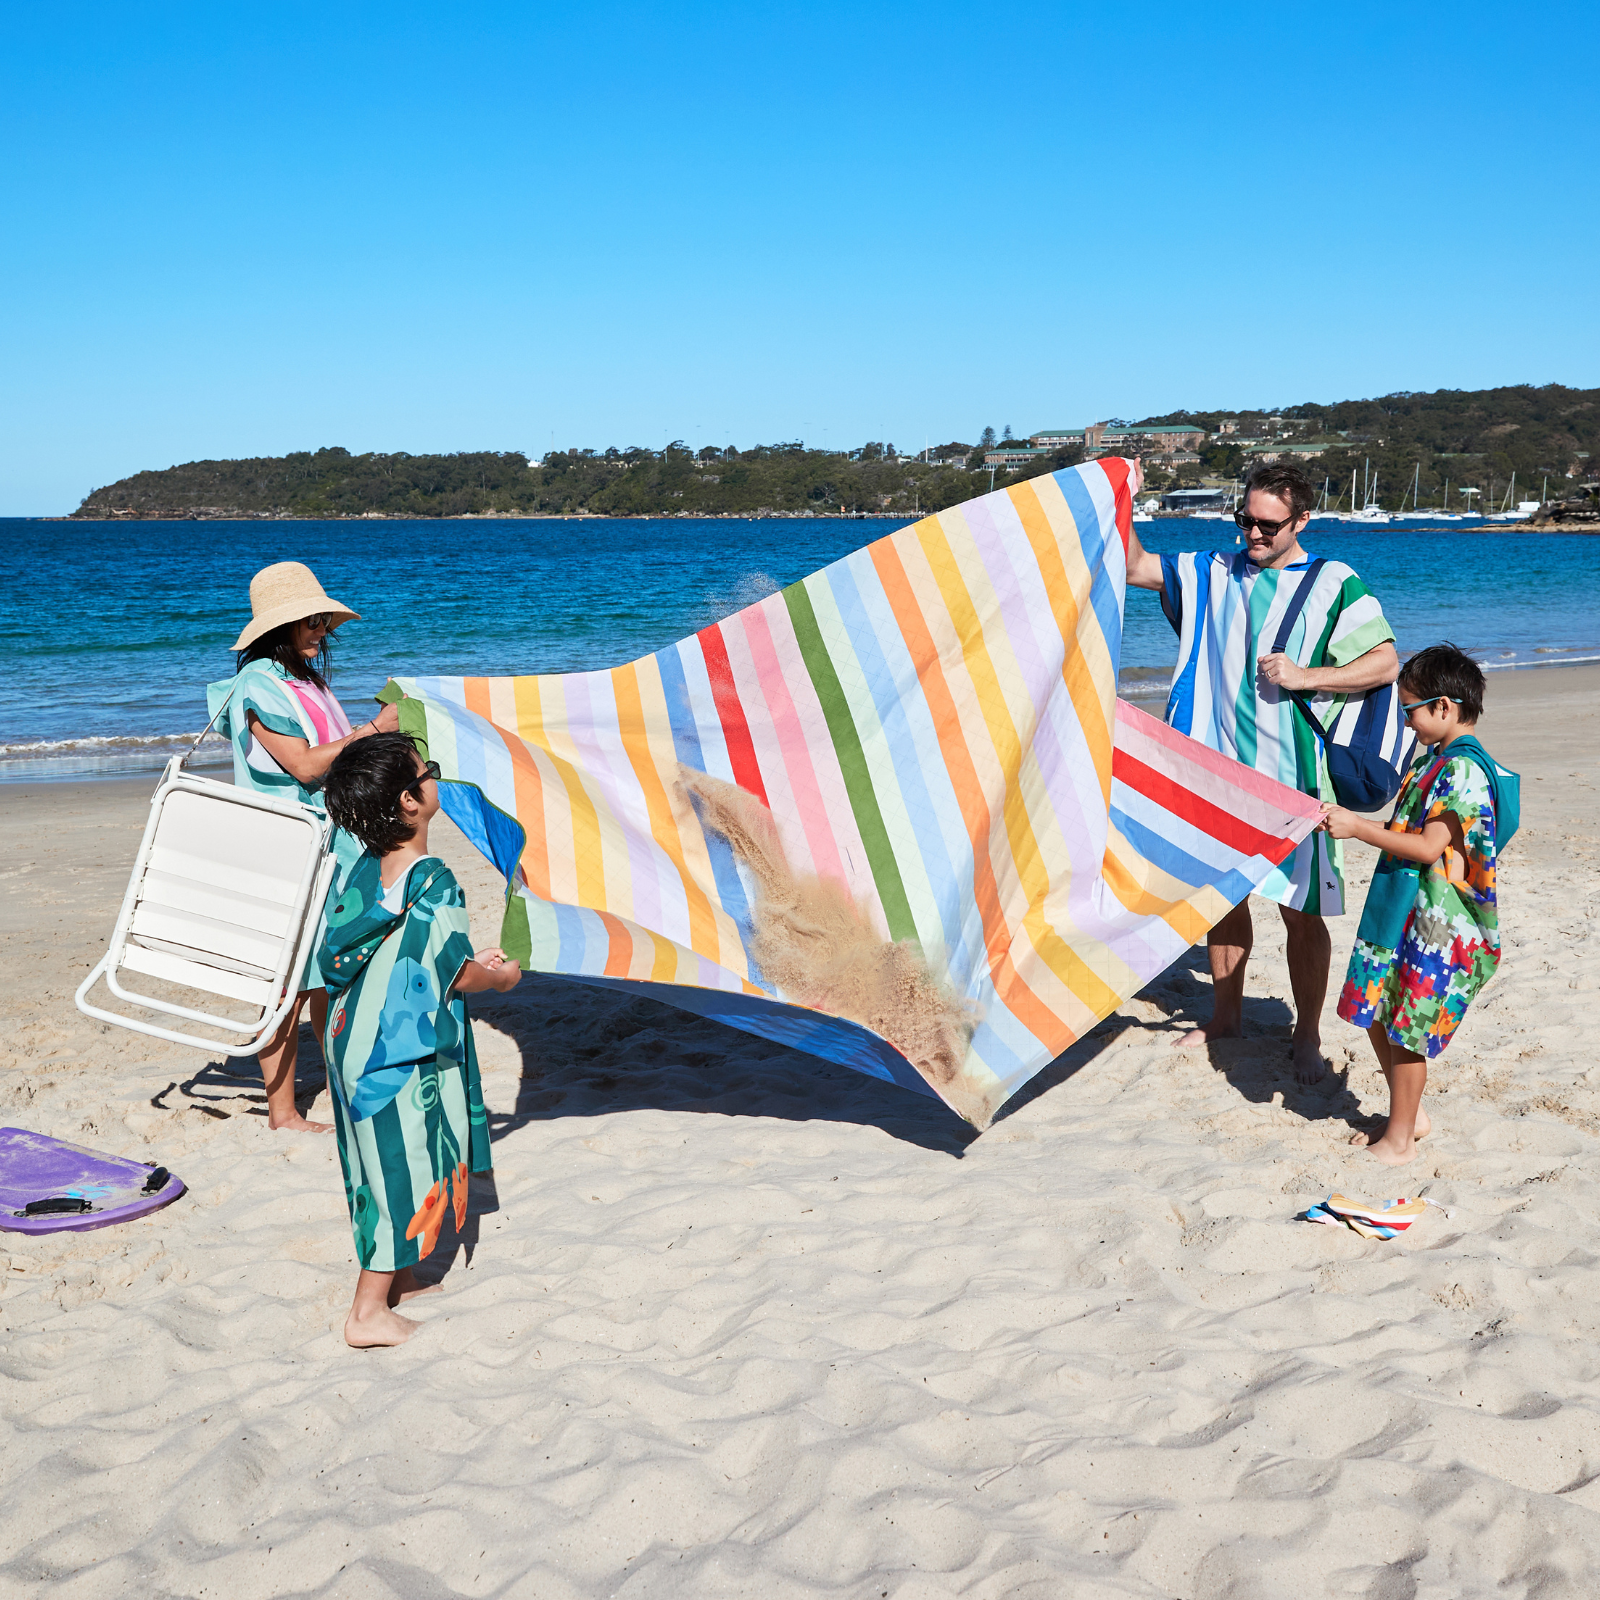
625	483
1474	438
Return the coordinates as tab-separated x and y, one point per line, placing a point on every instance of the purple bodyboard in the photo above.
34	1166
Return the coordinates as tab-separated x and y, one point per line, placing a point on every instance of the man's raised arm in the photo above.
1144	569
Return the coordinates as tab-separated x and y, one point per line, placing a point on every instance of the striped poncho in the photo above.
1227	612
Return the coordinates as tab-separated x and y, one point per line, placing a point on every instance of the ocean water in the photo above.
111	631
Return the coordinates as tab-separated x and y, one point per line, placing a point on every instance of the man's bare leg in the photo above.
277	1058
1228	950
1310	953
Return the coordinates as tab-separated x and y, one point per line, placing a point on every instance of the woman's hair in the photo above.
1446	670
277	644
363	788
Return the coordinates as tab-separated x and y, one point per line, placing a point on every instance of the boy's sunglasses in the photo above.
1265	524
1417	705
430	769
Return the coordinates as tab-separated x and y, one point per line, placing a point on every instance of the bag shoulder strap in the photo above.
1297	605
1286	627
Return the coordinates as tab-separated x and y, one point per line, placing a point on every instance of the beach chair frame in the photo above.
212	971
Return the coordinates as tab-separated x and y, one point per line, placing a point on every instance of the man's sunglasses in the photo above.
1265	524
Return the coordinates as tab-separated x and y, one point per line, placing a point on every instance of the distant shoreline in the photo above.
1395	525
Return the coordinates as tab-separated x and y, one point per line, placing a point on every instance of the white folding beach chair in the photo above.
225	899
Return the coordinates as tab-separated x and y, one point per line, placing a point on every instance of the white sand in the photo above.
732	1322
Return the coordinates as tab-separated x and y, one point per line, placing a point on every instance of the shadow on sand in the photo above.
588	1052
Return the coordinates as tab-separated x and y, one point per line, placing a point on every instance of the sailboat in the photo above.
1524	510
1371	511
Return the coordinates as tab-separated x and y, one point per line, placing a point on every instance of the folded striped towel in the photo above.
1381	1221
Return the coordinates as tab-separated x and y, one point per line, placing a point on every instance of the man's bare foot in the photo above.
299	1124
406	1287
1310	1065
1423	1128
377	1328
1206	1032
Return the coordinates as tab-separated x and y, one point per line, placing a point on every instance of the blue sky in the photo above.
240	230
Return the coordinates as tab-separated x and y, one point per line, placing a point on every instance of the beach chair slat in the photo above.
207	936
224	875
212	980
208	900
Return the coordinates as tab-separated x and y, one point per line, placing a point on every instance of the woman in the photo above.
286	727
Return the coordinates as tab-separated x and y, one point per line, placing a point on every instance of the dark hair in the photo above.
1446	670
363	788
1284	480
277	644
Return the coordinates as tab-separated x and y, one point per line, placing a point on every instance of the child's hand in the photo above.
490	958
506	975
1339	823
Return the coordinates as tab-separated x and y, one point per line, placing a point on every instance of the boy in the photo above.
402	1070
1429	937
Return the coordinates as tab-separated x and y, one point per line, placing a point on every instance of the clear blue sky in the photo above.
236	230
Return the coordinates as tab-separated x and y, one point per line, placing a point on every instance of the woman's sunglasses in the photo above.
1265	524
323	620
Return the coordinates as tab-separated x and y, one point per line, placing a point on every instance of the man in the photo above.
1229	693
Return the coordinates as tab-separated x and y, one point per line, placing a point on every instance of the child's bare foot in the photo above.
298	1124
1423	1128
1393	1152
406	1287
372	1329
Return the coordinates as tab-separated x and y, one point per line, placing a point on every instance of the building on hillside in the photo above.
1012	456
1269	450
1110	438
1145	440
1227	425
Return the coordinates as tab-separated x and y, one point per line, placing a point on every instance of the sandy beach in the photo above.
728	1321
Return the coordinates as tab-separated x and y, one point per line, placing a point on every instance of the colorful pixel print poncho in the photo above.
402	1070
1451	945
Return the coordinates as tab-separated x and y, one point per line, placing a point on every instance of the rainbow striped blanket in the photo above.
932	724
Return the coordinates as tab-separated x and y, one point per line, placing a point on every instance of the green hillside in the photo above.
675	481
1474	438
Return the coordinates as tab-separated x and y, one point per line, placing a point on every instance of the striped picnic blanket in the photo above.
933	723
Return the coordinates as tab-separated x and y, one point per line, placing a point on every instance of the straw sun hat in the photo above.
286	592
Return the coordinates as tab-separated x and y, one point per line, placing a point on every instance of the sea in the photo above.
111	630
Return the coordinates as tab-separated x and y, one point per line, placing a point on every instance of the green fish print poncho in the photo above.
402	1071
